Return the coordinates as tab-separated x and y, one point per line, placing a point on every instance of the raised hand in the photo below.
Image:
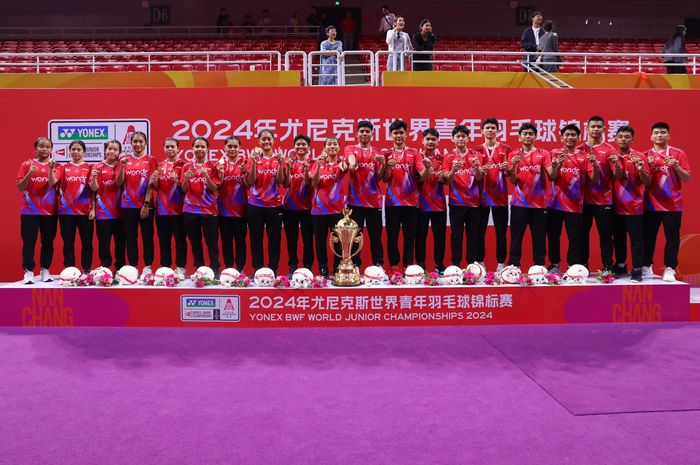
33	169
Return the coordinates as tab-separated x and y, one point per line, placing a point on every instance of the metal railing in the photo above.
150	61
288	65
208	31
365	66
371	65
474	60
316	69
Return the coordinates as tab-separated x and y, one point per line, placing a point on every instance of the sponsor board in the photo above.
95	133
210	308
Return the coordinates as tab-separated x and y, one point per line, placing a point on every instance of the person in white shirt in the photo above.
387	22
398	41
530	39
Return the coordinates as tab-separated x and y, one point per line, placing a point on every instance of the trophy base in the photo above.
347	277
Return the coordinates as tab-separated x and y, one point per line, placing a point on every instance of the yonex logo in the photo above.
82	132
199	302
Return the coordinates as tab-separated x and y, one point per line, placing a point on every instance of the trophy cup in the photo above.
346	233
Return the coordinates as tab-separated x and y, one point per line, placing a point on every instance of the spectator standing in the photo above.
248	24
387	22
223	22
530	39
313	20
424	41
549	43
265	22
676	44
398	41
293	24
329	60
348	25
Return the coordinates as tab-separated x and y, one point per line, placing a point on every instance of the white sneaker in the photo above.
500	267
45	276
647	272
180	273
146	271
28	277
669	275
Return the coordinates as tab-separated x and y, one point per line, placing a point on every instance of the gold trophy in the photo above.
346	233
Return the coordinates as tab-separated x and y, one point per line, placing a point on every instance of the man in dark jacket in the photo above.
530	40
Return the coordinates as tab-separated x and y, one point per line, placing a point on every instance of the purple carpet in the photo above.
610	369
346	396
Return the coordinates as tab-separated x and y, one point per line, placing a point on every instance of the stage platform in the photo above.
48	304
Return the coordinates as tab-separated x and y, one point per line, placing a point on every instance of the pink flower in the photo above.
319	282
492	279
605	277
241	281
200	283
105	280
525	280
469	278
282	282
433	279
86	280
397	279
553	279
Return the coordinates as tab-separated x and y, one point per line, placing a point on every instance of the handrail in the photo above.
272	59
288	62
337	65
362	65
545	75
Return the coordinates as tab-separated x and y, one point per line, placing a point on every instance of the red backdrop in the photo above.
321	112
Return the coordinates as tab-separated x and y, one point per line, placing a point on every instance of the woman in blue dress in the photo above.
329	61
